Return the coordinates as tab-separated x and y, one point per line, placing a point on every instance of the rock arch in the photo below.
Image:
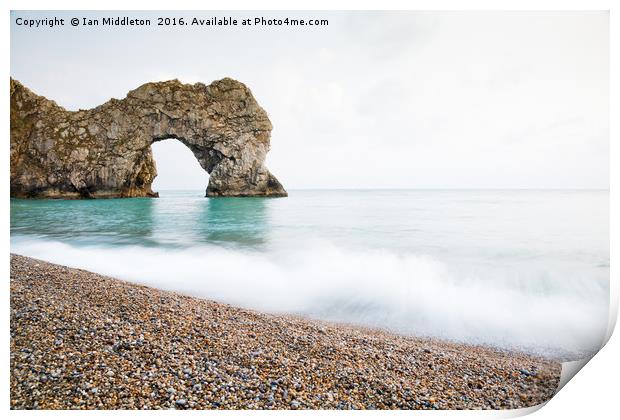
106	151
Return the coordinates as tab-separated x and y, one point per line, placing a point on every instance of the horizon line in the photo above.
420	189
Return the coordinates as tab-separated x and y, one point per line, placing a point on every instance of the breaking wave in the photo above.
419	295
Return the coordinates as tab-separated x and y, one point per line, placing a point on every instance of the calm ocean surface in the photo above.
518	269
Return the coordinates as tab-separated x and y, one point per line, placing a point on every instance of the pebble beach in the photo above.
80	340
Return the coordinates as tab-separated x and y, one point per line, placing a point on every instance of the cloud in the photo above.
375	99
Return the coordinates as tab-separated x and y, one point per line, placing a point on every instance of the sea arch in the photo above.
106	151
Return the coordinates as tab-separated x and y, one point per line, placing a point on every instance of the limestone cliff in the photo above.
106	151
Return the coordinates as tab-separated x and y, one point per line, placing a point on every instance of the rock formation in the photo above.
106	151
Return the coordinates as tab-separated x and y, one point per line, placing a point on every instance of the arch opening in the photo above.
178	168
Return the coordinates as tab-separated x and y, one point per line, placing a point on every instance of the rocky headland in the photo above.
106	151
82	341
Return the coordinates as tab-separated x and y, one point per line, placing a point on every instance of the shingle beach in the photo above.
80	340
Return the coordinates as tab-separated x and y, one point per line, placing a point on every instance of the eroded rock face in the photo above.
106	151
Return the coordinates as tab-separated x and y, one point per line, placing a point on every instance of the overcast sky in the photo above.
374	100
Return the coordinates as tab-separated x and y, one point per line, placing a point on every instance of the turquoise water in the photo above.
516	269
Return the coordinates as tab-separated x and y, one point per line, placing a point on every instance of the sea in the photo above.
519	270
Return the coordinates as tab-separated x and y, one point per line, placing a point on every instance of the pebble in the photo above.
84	341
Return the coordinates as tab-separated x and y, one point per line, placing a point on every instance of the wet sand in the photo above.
80	340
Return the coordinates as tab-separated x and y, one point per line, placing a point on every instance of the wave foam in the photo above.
410	294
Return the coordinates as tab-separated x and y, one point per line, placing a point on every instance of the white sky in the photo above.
374	100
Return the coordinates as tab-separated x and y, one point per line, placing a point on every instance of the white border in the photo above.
593	394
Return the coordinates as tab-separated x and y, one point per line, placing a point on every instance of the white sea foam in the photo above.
412	294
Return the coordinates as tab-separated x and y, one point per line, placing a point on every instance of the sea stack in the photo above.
106	151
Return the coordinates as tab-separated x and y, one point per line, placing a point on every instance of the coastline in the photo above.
83	340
